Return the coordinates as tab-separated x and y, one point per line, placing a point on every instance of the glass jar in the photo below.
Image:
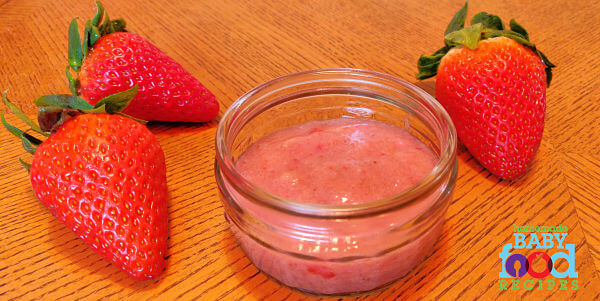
335	249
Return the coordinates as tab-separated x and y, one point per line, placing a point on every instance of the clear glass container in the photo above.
335	249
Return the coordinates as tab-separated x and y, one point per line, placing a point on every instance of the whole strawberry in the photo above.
112	60
103	176
492	81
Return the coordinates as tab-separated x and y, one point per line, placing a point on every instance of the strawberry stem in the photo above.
52	118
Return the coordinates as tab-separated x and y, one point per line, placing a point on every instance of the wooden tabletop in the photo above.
232	46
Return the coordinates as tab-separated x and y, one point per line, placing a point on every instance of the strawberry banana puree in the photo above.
338	162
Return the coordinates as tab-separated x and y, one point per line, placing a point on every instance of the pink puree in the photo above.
340	161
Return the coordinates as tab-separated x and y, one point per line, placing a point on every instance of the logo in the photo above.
531	246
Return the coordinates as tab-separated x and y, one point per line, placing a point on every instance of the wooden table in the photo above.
232	46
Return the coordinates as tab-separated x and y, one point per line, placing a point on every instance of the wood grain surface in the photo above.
234	45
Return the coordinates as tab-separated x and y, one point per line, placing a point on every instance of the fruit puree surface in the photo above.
338	161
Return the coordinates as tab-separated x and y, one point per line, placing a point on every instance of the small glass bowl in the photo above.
335	249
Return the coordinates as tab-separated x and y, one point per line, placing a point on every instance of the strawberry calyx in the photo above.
483	26
55	109
92	32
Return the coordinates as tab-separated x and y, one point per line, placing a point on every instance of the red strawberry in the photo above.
492	81
104	177
112	60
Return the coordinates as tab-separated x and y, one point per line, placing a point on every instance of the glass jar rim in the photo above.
446	163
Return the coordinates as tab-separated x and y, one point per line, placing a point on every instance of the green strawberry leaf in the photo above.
516	27
28	145
110	26
428	65
99	13
15	110
548	71
118	25
490	33
489	21
65	101
86	38
458	21
468	36
545	59
11	128
142	121
73	83
26	165
29	142
117	102
94	35
99	109
549	66
75	54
